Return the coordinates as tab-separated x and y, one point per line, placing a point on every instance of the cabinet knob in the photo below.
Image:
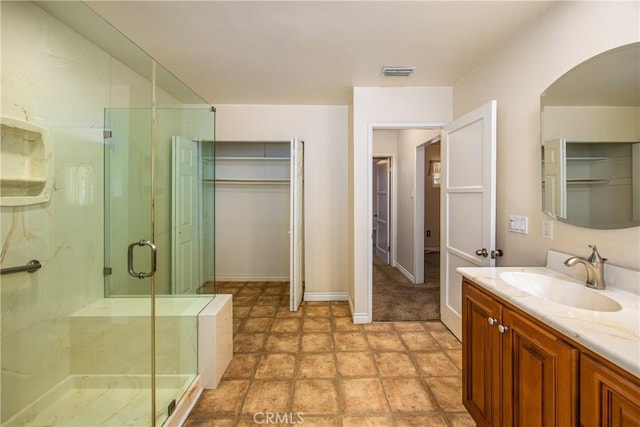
502	329
492	321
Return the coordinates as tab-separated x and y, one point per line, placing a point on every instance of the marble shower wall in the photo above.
56	79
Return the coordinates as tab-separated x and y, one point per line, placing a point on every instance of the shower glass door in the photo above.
148	201
128	200
128	279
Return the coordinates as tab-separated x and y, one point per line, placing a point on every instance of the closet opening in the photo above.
258	214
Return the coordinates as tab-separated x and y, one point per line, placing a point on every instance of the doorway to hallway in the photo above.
405	283
396	298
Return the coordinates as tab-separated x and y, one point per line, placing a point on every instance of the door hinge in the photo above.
107	271
388	248
107	133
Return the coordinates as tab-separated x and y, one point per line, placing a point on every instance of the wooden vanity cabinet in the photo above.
516	372
539	375
480	356
609	399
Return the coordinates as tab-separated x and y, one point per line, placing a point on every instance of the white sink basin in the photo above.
560	291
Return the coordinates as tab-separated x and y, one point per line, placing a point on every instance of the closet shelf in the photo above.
586	159
583	181
240	159
249	181
589	181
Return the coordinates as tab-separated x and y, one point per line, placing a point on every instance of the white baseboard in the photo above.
358	318
406	274
250	278
326	296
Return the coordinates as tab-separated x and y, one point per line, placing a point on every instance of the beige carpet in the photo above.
395	298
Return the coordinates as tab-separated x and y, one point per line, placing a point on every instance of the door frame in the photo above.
393	206
371	126
420	196
418	212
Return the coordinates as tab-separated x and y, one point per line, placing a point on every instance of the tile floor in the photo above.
315	367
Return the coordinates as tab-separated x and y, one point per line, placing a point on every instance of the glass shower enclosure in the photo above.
104	333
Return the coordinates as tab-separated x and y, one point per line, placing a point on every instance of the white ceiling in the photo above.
314	52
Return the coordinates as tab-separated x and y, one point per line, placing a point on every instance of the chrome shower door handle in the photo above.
134	273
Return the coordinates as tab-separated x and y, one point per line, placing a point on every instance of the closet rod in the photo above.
249	181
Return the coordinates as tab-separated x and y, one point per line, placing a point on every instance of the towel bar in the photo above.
29	267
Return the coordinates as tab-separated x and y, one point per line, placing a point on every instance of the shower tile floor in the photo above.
103	400
316	368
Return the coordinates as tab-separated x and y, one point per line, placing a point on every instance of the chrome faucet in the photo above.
594	265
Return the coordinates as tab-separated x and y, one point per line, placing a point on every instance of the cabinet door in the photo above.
607	399
480	356
539	375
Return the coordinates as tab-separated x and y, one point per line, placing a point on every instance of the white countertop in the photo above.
613	335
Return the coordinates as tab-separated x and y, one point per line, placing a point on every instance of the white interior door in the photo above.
418	215
297	224
185	257
383	181
468	200
555	177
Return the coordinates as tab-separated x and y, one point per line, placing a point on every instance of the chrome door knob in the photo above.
482	252
502	329
492	321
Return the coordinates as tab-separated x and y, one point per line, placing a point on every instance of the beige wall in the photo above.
385	142
324	130
594	124
566	35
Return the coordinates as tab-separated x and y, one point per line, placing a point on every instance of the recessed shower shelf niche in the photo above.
25	173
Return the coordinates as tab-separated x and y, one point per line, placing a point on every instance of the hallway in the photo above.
318	365
396	299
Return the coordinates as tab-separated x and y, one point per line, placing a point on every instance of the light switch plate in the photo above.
547	229
519	224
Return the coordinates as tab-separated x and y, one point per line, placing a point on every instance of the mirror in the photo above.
590	129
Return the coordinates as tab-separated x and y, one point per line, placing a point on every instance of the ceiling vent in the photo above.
397	71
